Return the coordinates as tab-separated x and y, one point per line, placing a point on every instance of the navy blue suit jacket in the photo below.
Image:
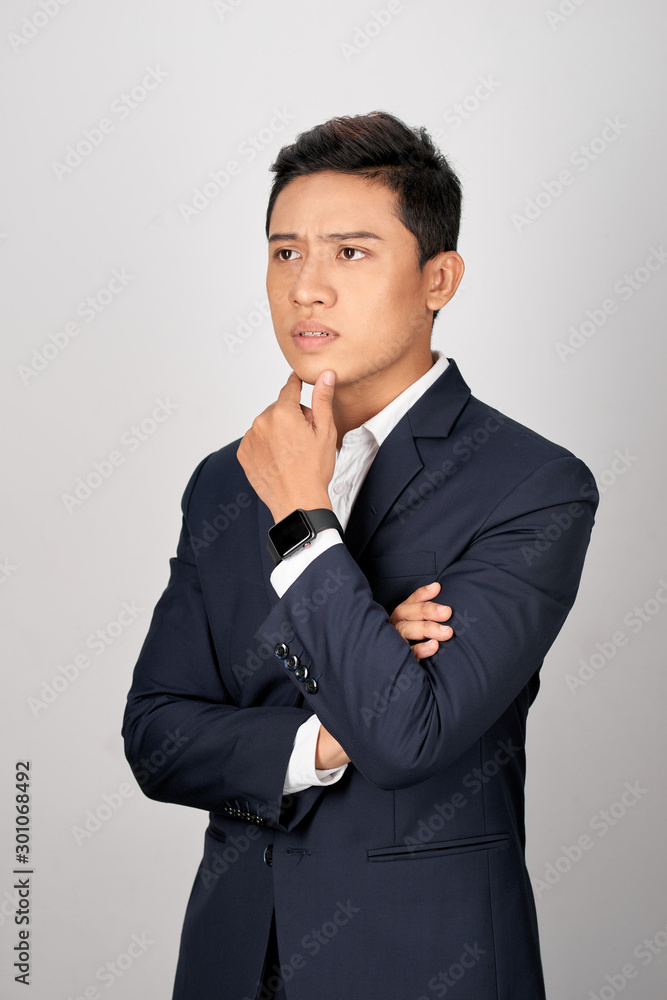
407	876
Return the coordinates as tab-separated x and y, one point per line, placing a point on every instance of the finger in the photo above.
322	402
423	649
422	611
425	593
419	596
424	630
308	413
291	391
437	612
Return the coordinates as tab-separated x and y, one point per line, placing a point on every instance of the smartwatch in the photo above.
297	529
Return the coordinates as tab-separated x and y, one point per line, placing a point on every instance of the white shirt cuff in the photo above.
292	566
301	770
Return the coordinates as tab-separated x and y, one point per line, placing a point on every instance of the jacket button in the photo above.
311	686
292	662
268	855
301	672
281	650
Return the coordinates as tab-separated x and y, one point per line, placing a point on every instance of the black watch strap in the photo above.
319	519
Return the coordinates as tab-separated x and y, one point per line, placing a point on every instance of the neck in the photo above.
357	401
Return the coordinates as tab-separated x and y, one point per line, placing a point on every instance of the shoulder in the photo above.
218	474
525	466
491	454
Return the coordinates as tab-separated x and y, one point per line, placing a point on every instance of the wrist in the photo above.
328	751
281	510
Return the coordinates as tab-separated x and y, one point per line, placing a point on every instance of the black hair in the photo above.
381	147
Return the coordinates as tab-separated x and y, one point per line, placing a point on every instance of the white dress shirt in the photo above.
353	460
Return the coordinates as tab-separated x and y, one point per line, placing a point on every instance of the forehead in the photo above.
330	201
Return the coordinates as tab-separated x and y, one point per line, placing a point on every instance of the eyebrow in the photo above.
328	238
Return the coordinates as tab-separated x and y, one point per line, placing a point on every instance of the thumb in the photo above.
322	398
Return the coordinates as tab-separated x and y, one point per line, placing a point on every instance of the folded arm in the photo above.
511	591
185	739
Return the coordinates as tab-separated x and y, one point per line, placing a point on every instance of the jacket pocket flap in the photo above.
404	852
398	564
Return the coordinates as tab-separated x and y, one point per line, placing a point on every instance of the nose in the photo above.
312	285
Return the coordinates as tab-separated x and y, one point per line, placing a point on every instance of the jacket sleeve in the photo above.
184	739
400	720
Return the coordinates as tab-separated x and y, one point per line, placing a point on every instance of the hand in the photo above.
289	453
329	752
419	617
415	618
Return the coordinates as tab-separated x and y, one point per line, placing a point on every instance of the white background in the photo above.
173	333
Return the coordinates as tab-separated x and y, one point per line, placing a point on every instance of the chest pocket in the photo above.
393	576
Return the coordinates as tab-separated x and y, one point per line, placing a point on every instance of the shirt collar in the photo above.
383	422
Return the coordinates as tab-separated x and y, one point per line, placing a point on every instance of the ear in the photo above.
443	275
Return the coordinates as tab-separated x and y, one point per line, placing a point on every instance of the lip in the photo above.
312	343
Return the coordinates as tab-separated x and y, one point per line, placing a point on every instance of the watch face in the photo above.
290	533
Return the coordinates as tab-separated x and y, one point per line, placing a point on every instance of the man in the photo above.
366	835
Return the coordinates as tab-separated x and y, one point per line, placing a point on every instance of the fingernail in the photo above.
330	378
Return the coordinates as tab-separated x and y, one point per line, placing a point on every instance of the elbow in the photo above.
391	777
411	756
146	773
143	762
140	766
391	772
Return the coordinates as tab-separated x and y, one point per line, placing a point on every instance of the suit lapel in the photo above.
397	462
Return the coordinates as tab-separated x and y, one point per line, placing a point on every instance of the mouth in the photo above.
311	336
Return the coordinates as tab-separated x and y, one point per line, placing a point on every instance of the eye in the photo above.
354	250
284	250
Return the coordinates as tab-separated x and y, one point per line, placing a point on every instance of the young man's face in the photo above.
368	291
